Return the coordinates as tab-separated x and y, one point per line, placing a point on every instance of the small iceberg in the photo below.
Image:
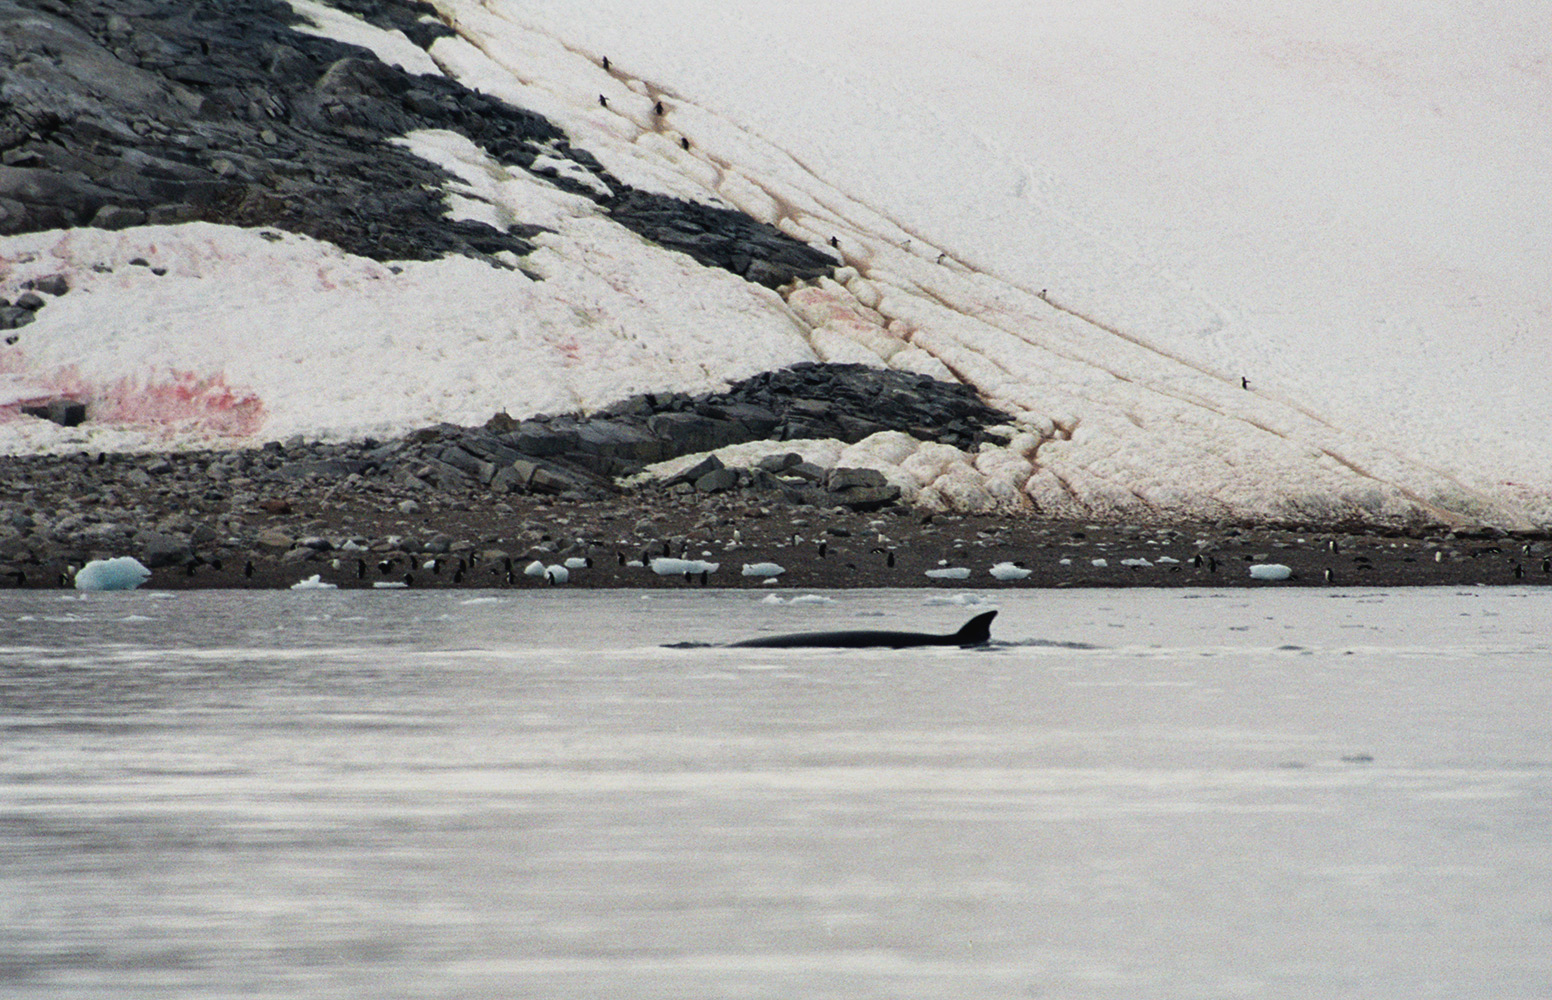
535	568
1010	571
123	573
664	566
314	582
960	600
763	569
1270	571
811	599
949	573
557	574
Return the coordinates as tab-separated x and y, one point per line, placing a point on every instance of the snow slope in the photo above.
1101	221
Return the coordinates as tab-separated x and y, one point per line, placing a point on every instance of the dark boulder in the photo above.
157	549
704	467
717	481
64	412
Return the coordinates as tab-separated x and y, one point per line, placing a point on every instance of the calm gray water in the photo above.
1136	794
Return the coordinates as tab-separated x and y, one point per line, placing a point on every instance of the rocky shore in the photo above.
273	517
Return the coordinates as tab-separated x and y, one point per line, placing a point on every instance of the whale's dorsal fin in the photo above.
976	631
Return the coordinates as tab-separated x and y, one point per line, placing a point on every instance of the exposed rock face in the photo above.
116	113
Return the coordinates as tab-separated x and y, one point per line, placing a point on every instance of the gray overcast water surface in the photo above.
1131	794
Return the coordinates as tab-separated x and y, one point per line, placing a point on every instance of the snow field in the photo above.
1123	377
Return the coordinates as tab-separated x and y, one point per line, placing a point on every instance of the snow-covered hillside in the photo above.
1214	261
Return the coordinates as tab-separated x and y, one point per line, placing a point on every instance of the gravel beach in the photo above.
235	519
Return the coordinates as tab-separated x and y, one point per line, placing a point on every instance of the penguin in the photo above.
835	243
409	579
1244	383
684	142
824	547
1197	561
248	569
510	578
436	566
603	102
1331	546
386	566
606	64
1546	565
619	557
657	109
360	569
889	560
1212	564
704	575
1519	571
458	575
1330	576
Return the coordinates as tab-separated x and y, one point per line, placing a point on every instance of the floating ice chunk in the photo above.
1135	562
557	574
123	573
773	599
576	562
949	573
664	566
811	599
314	582
1010	571
959	600
1099	563
1270	571
390	585
768	570
1166	560
535	568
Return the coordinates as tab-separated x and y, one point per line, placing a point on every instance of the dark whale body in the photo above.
977	630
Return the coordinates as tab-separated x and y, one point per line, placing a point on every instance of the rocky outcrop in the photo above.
115	114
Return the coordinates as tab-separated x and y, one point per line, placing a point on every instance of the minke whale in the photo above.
977	631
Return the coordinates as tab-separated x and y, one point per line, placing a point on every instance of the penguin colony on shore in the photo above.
1366	558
